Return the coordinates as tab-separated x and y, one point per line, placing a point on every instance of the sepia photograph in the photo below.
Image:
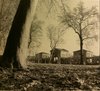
49	45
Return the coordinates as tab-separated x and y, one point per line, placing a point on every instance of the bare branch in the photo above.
55	36
92	37
89	24
35	33
90	13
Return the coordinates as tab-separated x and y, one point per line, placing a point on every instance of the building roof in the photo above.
42	53
61	49
83	50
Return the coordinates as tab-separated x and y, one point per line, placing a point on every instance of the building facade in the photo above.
42	57
57	55
85	54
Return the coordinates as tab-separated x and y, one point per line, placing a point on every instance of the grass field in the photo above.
69	66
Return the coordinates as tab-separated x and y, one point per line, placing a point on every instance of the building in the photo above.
42	57
31	59
86	54
95	60
57	55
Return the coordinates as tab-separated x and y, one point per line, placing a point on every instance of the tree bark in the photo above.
16	49
81	44
81	51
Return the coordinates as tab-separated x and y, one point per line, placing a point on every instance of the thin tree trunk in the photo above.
52	55
81	51
81	44
16	49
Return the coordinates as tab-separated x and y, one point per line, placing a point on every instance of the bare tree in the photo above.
35	34
83	21
55	36
16	49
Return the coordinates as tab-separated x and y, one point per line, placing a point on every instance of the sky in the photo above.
71	42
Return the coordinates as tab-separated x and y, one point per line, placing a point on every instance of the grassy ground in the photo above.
52	77
68	66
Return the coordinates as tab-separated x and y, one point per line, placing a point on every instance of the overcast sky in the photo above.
71	42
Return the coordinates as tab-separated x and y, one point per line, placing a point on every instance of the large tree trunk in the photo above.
16	49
